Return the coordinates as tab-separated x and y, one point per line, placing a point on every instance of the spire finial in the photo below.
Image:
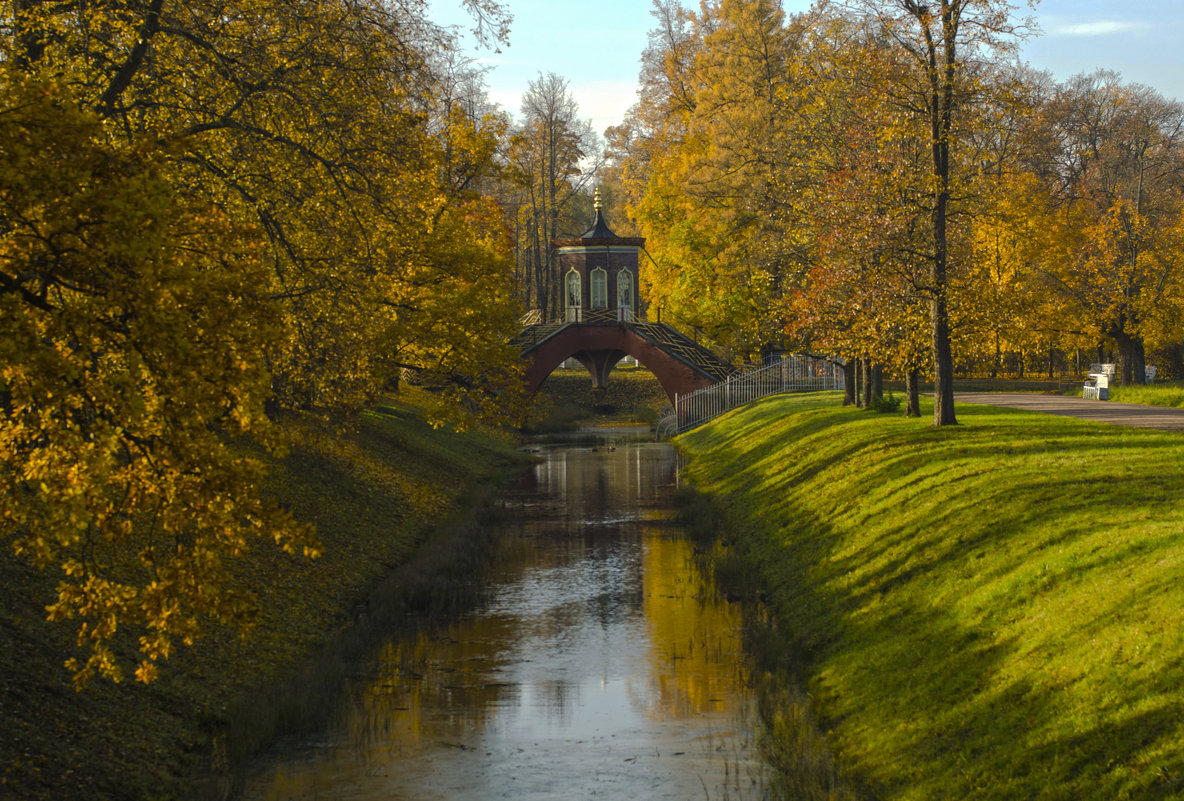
599	229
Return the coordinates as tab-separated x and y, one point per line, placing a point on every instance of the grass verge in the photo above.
386	493
988	611
565	401
1162	394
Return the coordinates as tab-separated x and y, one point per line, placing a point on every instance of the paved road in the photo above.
1123	414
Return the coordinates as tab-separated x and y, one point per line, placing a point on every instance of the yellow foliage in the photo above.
126	369
208	214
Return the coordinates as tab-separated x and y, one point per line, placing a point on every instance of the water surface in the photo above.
600	665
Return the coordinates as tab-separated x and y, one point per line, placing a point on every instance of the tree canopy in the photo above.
880	180
218	214
213	214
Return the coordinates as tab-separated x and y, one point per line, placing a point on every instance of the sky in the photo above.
597	46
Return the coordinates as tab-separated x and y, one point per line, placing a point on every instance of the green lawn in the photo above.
1162	394
989	611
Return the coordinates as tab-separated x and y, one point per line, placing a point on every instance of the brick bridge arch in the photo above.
680	365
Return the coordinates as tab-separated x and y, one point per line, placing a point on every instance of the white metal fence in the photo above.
788	374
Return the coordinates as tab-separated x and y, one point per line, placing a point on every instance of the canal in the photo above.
599	662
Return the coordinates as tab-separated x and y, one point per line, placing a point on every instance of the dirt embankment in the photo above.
381	493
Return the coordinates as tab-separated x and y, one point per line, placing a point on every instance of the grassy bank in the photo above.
565	401
385	493
1170	393
991	611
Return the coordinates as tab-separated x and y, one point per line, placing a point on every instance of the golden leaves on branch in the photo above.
130	353
260	220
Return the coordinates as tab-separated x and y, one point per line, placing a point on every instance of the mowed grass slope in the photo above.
989	611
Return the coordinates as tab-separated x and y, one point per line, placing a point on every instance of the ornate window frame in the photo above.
599	286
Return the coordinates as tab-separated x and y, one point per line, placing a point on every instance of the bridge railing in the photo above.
599	316
788	374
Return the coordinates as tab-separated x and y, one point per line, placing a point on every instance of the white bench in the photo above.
1097	387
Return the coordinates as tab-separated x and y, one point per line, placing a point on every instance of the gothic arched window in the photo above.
625	295
599	288
625	289
571	297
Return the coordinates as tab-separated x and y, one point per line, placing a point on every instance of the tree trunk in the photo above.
867	383
912	393
849	382
942	98
1132	359
943	361
1123	375
878	382
1175	357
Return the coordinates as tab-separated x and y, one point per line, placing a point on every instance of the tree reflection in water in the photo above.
599	665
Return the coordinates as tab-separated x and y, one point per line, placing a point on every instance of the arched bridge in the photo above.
680	364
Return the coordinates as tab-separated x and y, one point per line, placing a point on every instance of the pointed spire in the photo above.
599	229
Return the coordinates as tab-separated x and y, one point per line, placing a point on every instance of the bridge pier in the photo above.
599	364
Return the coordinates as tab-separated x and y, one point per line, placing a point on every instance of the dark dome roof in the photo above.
599	233
599	229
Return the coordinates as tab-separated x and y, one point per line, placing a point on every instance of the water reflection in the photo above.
600	666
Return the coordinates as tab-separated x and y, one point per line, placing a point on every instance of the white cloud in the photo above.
1100	28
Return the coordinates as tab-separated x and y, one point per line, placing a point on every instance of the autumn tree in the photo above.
943	40
709	161
752	118
658	122
646	160
554	156
866	208
1000	302
209	214
129	364
1113	172
1002	299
